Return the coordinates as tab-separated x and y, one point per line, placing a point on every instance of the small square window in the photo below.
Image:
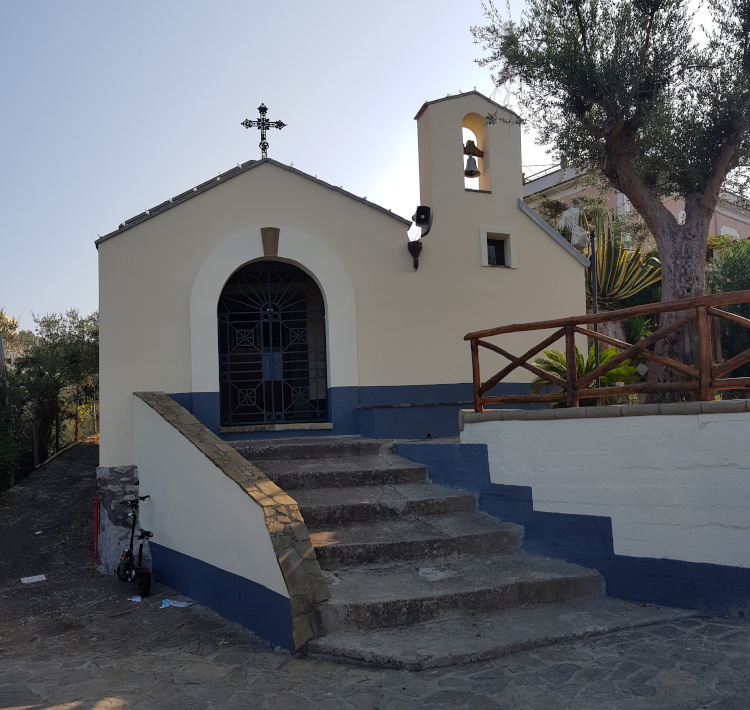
496	252
497	247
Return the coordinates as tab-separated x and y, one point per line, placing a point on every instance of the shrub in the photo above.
730	271
554	362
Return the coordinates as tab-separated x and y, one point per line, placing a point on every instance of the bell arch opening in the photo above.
272	347
474	129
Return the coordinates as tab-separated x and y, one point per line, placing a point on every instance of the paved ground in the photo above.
75	641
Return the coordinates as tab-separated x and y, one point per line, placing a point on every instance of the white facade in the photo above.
394	336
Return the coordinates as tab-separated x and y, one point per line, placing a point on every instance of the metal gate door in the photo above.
272	356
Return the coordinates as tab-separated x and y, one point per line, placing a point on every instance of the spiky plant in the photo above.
620	272
554	362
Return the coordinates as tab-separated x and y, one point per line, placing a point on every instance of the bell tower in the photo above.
469	167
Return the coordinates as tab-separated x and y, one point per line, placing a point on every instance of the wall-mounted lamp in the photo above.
423	219
415	249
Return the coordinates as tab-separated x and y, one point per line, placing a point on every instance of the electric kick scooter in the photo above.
129	568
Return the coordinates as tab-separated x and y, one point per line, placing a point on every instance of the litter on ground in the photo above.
35	578
171	602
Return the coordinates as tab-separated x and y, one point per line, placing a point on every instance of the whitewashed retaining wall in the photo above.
223	533
195	509
674	479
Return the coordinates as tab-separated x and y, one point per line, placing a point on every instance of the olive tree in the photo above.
638	91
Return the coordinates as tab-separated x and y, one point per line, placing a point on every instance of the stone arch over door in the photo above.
272	347
303	250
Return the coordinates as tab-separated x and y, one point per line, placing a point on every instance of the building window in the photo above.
497	247
495	252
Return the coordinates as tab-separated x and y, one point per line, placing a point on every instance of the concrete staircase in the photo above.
419	578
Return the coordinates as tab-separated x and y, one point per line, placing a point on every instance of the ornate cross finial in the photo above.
263	125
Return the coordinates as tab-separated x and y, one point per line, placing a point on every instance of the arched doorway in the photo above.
272	347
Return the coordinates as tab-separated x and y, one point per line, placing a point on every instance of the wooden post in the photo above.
705	355
570	365
477	379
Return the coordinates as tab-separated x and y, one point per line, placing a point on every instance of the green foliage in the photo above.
637	329
621	273
584	69
551	210
650	294
8	460
730	271
59	371
719	241
53	385
632	90
554	362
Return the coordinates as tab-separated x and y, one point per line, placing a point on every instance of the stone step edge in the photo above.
364	478
317	517
338	555
325	648
576	577
314	448
335	613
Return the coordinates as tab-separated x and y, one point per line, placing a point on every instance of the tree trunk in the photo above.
682	248
682	251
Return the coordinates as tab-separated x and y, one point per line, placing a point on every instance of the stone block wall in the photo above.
116	484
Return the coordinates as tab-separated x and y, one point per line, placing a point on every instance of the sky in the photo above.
109	108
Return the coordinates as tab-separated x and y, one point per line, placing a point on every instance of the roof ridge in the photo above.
228	175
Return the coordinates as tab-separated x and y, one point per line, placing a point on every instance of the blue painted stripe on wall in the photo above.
585	539
263	611
376	412
415	394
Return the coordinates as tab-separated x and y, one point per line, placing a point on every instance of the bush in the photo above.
730	271
554	362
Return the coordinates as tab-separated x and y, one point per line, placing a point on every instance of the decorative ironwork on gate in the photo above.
272	354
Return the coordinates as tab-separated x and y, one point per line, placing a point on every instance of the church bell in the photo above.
472	170
473	152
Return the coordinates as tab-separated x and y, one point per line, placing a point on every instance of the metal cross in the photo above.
263	125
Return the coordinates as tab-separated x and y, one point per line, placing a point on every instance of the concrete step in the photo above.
458	638
412	538
324	507
365	470
308	447
411	592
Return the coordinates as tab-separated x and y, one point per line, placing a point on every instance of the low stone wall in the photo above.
223	533
116	484
656	497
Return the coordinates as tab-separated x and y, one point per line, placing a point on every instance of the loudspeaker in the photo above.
423	217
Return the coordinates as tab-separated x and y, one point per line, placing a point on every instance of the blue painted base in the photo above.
256	607
585	539
397	412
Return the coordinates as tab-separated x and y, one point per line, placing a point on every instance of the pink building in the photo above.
564	184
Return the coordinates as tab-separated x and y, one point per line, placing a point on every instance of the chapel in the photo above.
268	302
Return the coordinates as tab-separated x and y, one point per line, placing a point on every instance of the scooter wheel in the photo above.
143	583
124	571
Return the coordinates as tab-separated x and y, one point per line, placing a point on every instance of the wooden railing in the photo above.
703	377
